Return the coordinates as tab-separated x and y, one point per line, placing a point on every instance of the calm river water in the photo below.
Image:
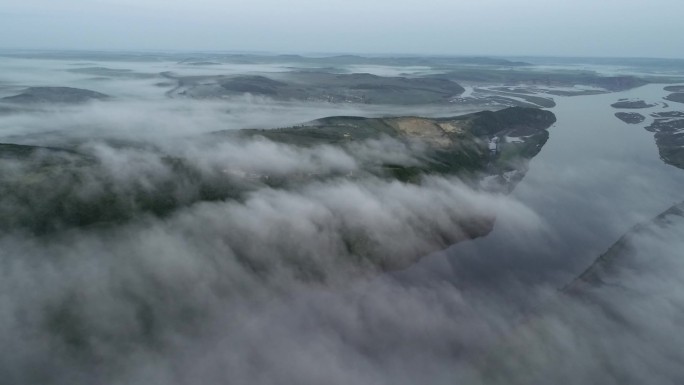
594	179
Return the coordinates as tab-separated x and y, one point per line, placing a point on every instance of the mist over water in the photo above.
594	180
263	290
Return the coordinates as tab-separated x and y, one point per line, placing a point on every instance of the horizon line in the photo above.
314	54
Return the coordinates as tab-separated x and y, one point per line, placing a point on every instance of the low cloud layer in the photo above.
289	285
240	283
167	303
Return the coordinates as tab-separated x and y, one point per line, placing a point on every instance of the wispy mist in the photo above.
288	283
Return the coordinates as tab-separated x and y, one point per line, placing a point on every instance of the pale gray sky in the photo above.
485	27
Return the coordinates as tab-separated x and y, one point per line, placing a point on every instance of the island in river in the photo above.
630	117
631	104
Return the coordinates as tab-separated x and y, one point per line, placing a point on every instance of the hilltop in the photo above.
50	182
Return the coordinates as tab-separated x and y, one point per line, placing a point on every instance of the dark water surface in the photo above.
594	179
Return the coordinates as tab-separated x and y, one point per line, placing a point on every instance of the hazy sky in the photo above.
505	27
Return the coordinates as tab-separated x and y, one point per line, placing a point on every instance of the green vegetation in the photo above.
59	188
326	87
456	145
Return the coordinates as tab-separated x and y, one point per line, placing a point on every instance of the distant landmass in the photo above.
255	58
66	95
546	78
112	72
359	88
676	97
631	104
675	88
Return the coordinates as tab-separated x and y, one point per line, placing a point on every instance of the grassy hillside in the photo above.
46	189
